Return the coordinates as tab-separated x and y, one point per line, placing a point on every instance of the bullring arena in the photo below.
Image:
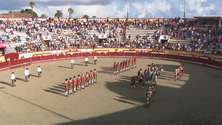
194	99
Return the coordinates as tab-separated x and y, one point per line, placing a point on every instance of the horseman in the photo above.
154	75
140	74
160	70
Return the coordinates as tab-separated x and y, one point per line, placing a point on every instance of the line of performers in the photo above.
178	72
124	65
75	84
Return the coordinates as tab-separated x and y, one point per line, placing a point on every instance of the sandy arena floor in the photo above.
193	100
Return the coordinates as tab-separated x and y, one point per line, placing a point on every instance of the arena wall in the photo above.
26	59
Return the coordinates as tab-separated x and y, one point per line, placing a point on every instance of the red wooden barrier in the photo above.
185	57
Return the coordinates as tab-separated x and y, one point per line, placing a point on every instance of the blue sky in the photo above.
118	8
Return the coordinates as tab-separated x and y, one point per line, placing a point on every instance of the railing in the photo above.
204	61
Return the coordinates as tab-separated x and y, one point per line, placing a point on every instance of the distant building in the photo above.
16	14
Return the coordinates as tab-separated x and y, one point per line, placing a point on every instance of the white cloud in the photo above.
158	7
138	9
102	11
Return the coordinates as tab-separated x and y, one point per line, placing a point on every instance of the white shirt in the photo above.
71	61
95	57
26	72
86	59
39	69
12	76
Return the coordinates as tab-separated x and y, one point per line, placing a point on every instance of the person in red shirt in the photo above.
74	83
124	66
117	68
66	87
82	81
78	83
90	77
87	79
129	61
114	66
135	62
94	76
132	63
70	85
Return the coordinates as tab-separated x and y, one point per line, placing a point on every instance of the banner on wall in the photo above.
102	36
157	53
26	55
47	37
218	60
143	50
129	51
57	52
186	55
86	50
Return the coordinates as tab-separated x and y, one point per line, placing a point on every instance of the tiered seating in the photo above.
22	35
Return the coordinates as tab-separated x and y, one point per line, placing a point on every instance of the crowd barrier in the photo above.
205	61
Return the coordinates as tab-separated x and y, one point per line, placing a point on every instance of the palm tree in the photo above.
58	13
71	11
32	4
43	16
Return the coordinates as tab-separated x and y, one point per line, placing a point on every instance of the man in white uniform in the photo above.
95	60
26	73
39	70
72	63
86	61
13	79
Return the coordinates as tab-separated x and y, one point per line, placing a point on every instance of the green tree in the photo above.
35	15
22	11
10	11
32	4
85	16
71	11
58	13
43	16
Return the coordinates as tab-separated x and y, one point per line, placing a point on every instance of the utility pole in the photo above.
184	9
126	21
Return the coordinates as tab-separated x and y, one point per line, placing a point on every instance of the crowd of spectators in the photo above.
206	38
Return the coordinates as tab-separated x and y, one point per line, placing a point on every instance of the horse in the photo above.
151	76
134	79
